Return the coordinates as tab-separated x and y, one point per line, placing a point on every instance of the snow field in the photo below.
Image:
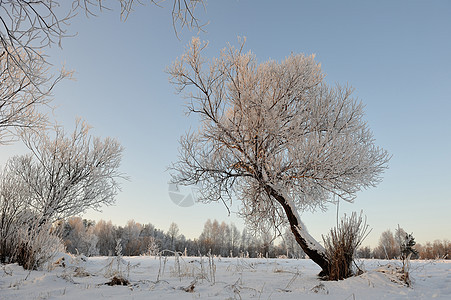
153	277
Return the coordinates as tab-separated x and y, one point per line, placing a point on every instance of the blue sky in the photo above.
396	54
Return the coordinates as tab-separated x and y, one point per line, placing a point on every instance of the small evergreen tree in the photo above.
406	246
410	242
407	249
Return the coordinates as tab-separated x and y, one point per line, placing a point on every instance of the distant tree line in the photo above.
90	238
389	247
100	238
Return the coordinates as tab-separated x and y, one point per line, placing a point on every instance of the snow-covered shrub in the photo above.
152	247
117	269
116	265
341	245
14	211
25	241
23	238
8	237
37	246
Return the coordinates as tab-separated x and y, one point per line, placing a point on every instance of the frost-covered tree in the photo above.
13	211
234	240
66	174
29	27
23	92
364	252
388	247
275	136
173	233
27	30
245	242
131	238
293	250
220	239
105	234
207	238
79	236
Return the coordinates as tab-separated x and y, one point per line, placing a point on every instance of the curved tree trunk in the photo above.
308	244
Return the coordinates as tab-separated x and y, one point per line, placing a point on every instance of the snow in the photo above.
220	278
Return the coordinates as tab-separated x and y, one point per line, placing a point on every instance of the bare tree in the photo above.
31	26
25	86
67	174
22	238
173	234
130	238
13	210
234	240
80	237
104	230
27	29
274	135
388	247
293	250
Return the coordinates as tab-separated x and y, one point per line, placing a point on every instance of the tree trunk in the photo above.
317	255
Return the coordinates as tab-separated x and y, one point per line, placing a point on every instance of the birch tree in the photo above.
274	135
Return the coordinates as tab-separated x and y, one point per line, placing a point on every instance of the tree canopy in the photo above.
273	134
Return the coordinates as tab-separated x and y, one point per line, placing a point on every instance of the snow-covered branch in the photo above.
67	173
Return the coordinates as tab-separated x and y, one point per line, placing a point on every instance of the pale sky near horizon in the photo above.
396	54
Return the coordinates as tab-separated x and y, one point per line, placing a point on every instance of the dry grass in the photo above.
341	245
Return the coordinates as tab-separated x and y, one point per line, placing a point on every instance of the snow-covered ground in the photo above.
220	278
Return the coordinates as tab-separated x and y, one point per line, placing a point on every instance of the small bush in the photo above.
341	245
35	247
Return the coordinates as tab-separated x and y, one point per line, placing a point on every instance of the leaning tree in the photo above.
274	135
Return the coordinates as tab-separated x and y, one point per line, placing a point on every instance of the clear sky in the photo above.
396	54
